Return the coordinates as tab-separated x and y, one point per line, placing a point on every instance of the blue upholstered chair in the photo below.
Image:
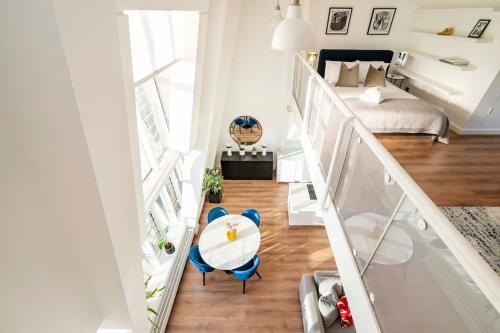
198	262
253	215
246	271
215	213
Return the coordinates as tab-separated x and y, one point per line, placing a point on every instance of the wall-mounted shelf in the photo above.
457	38
427	56
486	9
432	84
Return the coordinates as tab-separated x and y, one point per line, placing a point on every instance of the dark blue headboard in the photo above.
351	55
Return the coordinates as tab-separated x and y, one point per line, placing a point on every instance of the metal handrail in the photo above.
483	275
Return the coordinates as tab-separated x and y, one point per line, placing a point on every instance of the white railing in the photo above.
387	235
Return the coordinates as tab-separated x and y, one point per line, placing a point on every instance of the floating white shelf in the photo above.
492	9
427	56
432	84
464	39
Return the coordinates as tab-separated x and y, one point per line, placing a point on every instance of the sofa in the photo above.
311	316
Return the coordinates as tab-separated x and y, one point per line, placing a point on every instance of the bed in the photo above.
400	112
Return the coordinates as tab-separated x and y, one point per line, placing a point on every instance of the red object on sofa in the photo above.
345	312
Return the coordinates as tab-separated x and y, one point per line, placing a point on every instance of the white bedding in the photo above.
399	112
389	91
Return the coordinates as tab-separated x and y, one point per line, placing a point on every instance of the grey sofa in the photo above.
311	317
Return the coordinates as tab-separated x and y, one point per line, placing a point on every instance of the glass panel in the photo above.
173	196
151	114
176	183
419	286
145	166
317	95
365	199
164	89
151	41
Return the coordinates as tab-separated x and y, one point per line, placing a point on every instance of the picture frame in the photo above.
479	28
401	58
381	21
339	19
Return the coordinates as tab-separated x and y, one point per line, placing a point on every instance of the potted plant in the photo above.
212	184
167	246
254	151
150	294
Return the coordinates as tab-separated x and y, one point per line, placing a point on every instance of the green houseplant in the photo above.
212	184
150	294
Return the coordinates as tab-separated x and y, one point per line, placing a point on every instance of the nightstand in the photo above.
395	79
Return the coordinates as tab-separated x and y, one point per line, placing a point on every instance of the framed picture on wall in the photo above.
338	20
479	28
381	21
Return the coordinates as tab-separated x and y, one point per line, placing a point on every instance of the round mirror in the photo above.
245	130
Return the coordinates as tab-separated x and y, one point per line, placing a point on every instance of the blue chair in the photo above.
246	271
198	262
215	213
253	215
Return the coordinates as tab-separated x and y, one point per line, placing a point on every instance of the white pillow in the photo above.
332	70
365	65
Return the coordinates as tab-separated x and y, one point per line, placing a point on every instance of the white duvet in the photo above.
399	112
389	91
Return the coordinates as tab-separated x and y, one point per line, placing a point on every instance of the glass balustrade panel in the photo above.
366	198
419	286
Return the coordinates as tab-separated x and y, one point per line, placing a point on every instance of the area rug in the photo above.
481	226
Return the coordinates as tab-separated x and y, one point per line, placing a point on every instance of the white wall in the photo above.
484	57
59	269
487	117
97	81
360	19
258	77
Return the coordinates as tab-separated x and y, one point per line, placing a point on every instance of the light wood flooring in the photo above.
270	304
465	172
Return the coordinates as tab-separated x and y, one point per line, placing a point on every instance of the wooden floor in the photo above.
270	304
465	172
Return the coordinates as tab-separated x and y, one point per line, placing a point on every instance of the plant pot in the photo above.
169	248
214	197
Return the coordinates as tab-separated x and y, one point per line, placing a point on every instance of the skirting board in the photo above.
474	131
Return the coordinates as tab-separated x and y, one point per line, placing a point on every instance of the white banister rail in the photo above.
310	109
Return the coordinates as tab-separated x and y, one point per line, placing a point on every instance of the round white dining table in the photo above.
221	253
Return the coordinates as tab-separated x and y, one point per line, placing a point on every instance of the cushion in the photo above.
364	66
375	77
332	70
328	309
348	77
326	286
345	312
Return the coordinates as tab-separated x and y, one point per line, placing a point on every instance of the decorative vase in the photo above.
231	234
229	152
242	152
264	150
169	248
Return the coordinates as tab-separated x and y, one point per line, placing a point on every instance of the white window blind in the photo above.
151	40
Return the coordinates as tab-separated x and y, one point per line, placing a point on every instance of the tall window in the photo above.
152	119
163	214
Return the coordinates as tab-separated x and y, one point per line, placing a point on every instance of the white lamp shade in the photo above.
293	33
275	20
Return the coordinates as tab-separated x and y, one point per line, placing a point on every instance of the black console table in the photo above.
247	166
